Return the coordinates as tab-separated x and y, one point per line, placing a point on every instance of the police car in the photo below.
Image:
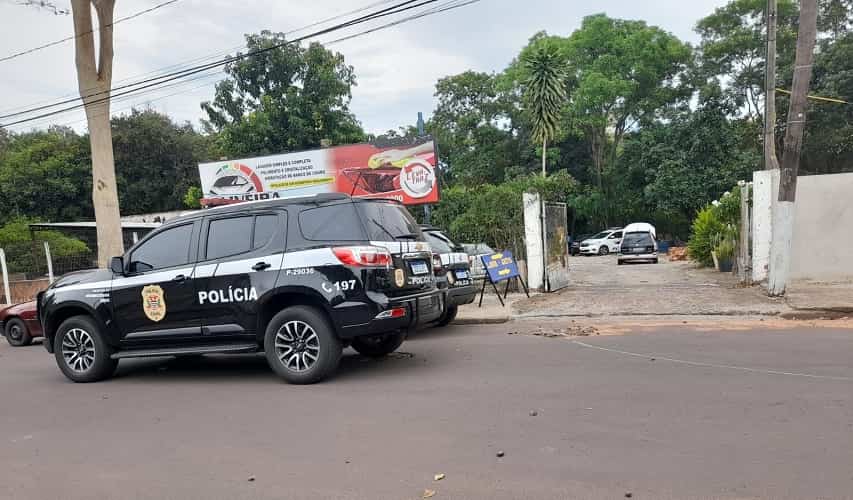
298	279
452	272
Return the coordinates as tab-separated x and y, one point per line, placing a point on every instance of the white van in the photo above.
638	244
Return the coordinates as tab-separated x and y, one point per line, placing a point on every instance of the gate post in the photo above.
49	262
533	240
5	277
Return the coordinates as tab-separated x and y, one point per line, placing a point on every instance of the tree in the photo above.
156	160
732	51
477	127
287	98
622	74
46	175
545	92
783	210
94	79
770	161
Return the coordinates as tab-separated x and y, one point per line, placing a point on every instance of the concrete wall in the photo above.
764	191
823	228
533	241
23	291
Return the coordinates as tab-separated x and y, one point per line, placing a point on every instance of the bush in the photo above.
27	256
493	213
716	224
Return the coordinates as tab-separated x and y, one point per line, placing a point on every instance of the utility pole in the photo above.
783	215
427	208
770	161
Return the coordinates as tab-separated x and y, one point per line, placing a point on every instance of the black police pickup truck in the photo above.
452	273
298	279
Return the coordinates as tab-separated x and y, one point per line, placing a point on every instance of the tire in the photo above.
306	332
377	346
620	262
448	316
603	250
17	333
80	334
655	261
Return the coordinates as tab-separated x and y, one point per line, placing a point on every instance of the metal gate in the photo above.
556	246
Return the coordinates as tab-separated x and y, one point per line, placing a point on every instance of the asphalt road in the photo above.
735	414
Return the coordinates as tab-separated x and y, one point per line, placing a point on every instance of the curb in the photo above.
480	321
817	314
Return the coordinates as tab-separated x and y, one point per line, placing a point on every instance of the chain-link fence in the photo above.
30	267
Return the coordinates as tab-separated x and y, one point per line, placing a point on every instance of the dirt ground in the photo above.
600	287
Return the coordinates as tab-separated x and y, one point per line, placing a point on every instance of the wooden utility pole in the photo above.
770	161
783	216
94	80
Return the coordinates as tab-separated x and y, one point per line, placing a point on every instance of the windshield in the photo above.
439	242
601	235
637	239
384	220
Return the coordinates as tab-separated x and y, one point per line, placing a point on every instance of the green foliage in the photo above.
192	198
24	254
725	249
156	161
715	224
544	89
45	174
493	213
287	98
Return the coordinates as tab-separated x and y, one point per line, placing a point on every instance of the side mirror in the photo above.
117	265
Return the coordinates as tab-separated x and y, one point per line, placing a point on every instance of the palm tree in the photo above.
545	92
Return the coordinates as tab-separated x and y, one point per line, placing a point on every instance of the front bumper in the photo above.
589	250
421	308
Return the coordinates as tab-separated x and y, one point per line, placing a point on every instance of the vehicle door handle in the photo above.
260	266
180	278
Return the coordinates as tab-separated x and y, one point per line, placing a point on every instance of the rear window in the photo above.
385	221
331	222
439	242
637	239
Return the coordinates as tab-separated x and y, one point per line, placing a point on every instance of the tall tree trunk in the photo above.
770	161
783	216
544	151
94	80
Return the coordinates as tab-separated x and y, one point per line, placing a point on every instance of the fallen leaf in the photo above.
438	477
429	493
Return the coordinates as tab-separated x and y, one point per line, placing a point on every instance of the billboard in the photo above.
402	169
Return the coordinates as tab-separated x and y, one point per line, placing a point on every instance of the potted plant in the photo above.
724	253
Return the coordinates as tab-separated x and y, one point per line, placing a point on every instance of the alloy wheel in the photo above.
78	350
297	346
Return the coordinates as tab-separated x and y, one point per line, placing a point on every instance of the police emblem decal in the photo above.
399	277
154	302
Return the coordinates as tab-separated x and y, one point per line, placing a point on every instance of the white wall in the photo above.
823	228
533	241
822	247
764	192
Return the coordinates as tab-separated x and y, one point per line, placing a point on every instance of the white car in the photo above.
602	243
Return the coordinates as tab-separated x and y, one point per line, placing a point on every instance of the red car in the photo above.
20	323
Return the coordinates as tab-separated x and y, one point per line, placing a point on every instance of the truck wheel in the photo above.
448	316
17	334
376	346
301	346
81	351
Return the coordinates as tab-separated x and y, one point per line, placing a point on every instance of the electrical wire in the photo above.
452	4
147	83
57	42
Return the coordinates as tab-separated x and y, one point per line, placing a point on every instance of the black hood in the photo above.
87	276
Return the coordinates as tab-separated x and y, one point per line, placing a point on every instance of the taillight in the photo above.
363	256
436	262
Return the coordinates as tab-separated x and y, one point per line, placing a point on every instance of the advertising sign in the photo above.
404	170
500	266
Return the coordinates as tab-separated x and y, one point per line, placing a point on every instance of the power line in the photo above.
395	9
57	42
214	55
403	6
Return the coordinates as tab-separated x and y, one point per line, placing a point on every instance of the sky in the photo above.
396	68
